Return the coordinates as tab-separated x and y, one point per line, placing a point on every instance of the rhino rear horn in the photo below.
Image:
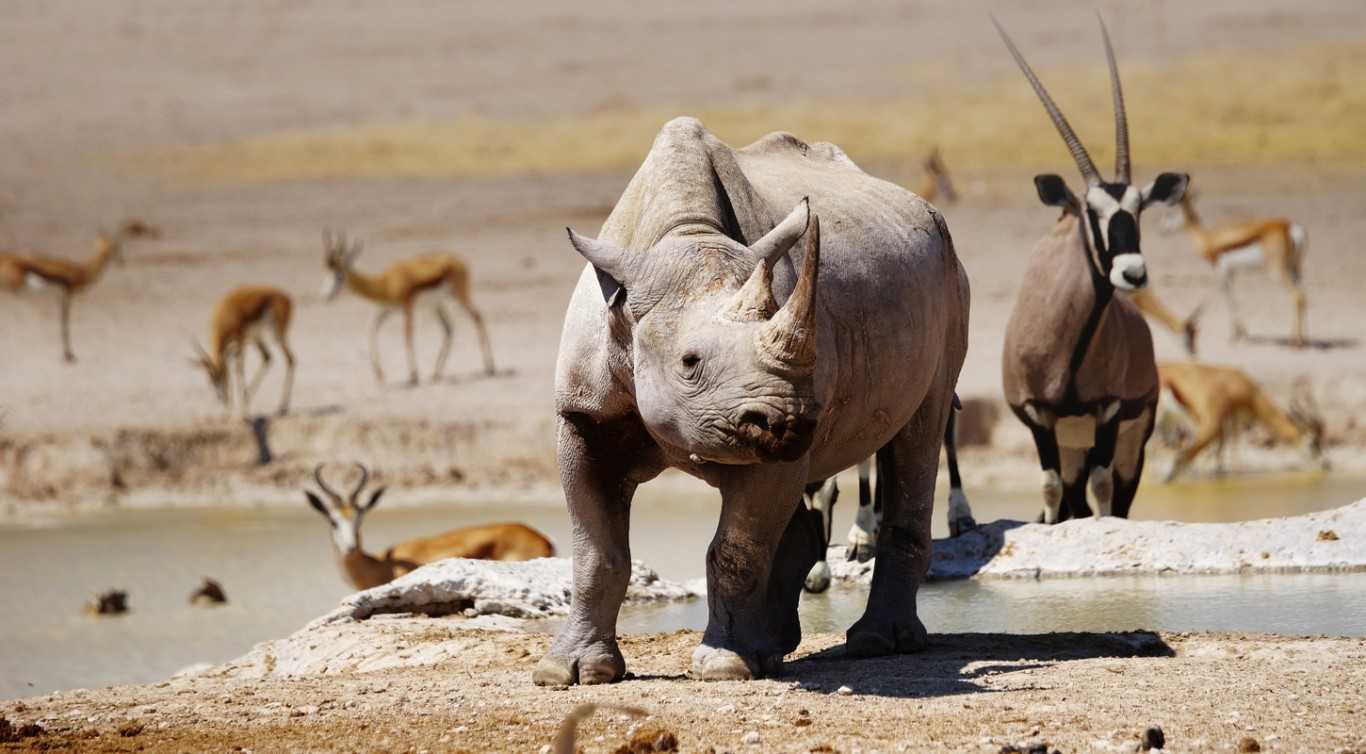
790	337
777	242
609	263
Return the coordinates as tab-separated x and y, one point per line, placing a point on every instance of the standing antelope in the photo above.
1276	245
428	279
69	278
936	183
1153	308
492	542
246	316
1219	397
1078	367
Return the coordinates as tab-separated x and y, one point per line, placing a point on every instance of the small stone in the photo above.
1153	738
545	749
844	691
1248	744
750	738
131	728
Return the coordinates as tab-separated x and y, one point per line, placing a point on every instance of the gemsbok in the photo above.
1276	245
36	271
936	187
246	316
426	281
510	541
1221	399
1078	367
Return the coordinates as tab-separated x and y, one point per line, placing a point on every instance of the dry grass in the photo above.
1304	107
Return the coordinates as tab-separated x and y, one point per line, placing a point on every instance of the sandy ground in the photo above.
1077	692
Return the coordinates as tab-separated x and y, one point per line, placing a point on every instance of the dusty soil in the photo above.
87	137
1077	692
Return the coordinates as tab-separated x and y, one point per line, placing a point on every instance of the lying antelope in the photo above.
426	280
1276	245
247	316
492	542
936	187
862	538
1220	398
69	278
1078	366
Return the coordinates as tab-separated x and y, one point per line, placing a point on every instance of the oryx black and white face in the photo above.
1111	214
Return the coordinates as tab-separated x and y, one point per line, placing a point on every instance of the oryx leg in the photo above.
1130	454
384	313
960	513
821	498
599	481
1072	471
863	532
1100	461
750	623
906	471
1046	442
446	331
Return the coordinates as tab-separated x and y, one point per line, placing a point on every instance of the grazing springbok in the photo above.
36	271
862	539
1276	245
428	280
247	316
1078	367
1221	399
509	541
936	187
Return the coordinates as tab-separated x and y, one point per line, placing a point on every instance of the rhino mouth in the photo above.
785	441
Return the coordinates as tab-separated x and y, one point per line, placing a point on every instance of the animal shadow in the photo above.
480	376
1317	344
941	669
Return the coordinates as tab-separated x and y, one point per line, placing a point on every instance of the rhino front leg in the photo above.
594	472
750	626
907	467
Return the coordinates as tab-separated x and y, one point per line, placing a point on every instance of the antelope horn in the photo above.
790	337
1121	119
1069	137
318	477
364	477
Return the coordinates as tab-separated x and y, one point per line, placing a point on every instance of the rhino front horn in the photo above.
789	339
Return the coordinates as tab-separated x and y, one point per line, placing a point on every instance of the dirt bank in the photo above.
1078	692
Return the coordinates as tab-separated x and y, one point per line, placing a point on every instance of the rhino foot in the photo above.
877	636
598	662
713	664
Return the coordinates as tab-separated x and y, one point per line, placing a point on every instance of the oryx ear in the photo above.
374	498
609	263
1167	188
317	504
1054	192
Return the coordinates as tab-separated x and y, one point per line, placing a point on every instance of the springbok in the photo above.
862	539
936	183
428	279
1078	367
509	541
1276	245
1219	399
247	316
36	271
1152	307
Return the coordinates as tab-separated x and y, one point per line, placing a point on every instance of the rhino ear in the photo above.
609	263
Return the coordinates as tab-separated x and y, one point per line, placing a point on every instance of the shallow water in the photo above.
278	570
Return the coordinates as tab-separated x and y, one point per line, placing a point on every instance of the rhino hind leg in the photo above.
799	550
907	467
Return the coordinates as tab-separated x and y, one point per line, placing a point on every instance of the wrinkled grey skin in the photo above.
661	365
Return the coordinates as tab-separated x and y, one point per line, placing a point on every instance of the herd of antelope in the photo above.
1078	363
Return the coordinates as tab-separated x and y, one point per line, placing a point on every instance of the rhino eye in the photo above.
691	360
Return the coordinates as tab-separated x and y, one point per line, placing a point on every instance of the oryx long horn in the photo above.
1069	137
790	337
364	478
318	477
1121	119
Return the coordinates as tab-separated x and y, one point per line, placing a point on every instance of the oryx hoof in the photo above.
593	664
881	636
962	525
818	579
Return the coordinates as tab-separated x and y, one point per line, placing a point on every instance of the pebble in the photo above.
751	738
1248	744
844	691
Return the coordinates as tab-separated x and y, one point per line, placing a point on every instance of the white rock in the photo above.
751	738
844	691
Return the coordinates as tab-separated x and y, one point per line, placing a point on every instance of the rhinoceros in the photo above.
700	337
